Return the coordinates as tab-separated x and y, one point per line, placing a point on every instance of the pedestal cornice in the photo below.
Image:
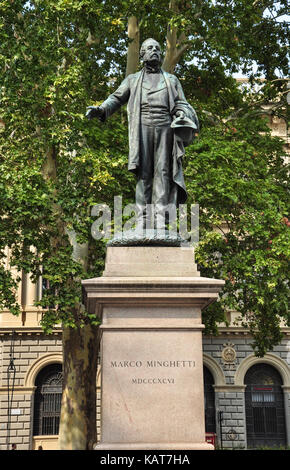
196	291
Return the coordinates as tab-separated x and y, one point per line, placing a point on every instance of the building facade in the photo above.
247	399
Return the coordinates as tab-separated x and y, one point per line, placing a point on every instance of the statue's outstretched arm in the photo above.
111	104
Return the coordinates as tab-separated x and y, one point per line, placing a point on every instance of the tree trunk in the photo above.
175	46
133	47
80	352
78	408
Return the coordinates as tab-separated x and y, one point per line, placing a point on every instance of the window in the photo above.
264	407
47	400
209	401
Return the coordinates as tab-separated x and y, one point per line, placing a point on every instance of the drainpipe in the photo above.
11	370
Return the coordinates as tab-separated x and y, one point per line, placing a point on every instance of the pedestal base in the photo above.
155	446
150	301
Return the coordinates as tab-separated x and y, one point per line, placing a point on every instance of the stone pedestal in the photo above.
150	301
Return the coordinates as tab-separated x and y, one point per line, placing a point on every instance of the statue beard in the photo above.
153	66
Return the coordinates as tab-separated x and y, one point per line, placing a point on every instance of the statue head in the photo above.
150	51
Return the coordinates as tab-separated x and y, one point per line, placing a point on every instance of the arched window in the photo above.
47	400
209	401
265	414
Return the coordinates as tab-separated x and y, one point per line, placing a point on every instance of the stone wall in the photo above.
32	352
228	358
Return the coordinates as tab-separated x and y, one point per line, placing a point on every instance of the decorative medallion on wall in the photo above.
232	435
229	354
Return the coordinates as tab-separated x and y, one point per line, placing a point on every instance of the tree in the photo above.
60	56
51	177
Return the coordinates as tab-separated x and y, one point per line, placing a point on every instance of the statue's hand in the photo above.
95	111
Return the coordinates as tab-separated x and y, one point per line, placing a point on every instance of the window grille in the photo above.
47	400
209	401
264	407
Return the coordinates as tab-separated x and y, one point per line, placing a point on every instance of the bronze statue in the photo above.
161	124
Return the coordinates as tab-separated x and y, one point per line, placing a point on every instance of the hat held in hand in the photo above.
185	129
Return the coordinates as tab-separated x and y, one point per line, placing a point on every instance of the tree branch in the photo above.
175	47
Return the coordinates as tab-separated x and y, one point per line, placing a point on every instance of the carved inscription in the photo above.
126	363
153	381
153	365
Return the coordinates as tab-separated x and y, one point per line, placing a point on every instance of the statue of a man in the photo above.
161	124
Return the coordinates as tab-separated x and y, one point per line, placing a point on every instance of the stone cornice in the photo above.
241	331
19	331
37	330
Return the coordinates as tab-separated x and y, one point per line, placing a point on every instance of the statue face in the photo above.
152	52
